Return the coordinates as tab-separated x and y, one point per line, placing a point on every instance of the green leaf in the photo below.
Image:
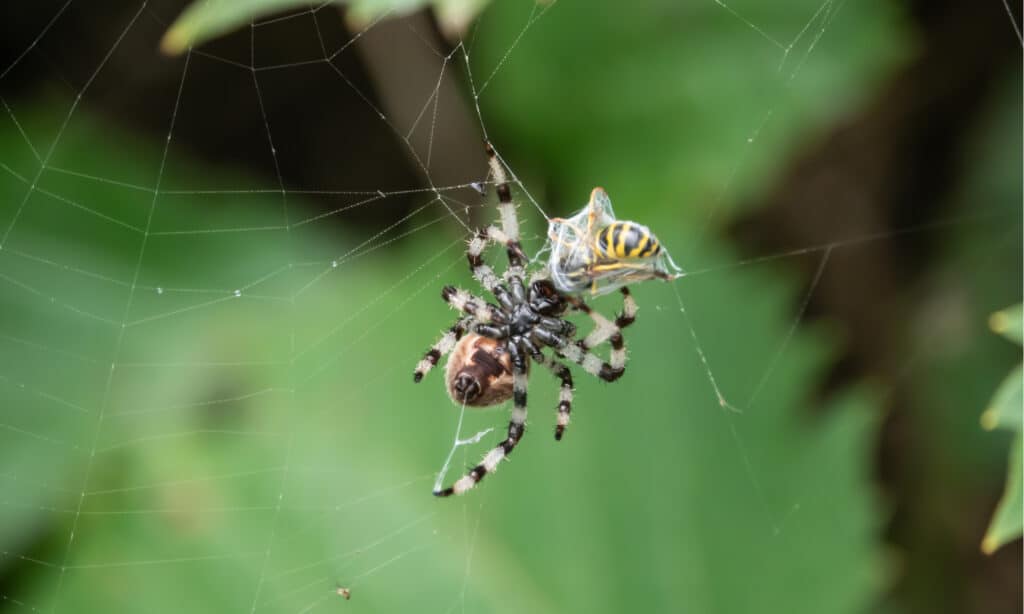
1007	521
455	16
656	500
604	99
1005	409
1008	322
1005	412
207	19
655	490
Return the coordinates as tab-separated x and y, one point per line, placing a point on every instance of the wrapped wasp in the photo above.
594	252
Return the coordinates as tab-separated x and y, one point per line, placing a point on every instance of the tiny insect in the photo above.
594	251
344	592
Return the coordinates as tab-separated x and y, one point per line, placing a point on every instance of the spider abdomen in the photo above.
479	372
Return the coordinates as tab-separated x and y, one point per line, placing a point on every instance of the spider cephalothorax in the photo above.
492	345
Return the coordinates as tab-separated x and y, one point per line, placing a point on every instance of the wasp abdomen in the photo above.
623	240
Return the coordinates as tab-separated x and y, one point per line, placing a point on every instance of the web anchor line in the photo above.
456	444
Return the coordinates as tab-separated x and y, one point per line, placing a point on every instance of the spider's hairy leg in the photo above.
471	305
443	346
509	221
607	330
532	350
628	314
484	274
593	364
516	254
492	332
516	428
581	355
603	327
558	326
481	271
564	396
626	317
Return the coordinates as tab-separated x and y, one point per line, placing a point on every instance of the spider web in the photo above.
225	418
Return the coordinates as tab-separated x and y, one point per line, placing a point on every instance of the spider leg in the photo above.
581	355
484	274
533	350
509	232
604	328
492	332
564	397
507	235
607	330
471	305
516	428
444	345
628	314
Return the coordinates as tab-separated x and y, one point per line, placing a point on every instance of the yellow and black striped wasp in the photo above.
594	251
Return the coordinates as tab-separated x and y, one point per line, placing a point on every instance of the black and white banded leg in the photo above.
516	428
509	232
607	330
482	271
564	396
440	349
593	364
590	362
470	305
507	235
628	314
604	328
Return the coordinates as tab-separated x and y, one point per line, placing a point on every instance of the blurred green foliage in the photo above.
956	363
1005	413
251	449
206	19
684	93
652	500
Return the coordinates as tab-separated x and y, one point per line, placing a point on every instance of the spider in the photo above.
493	345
